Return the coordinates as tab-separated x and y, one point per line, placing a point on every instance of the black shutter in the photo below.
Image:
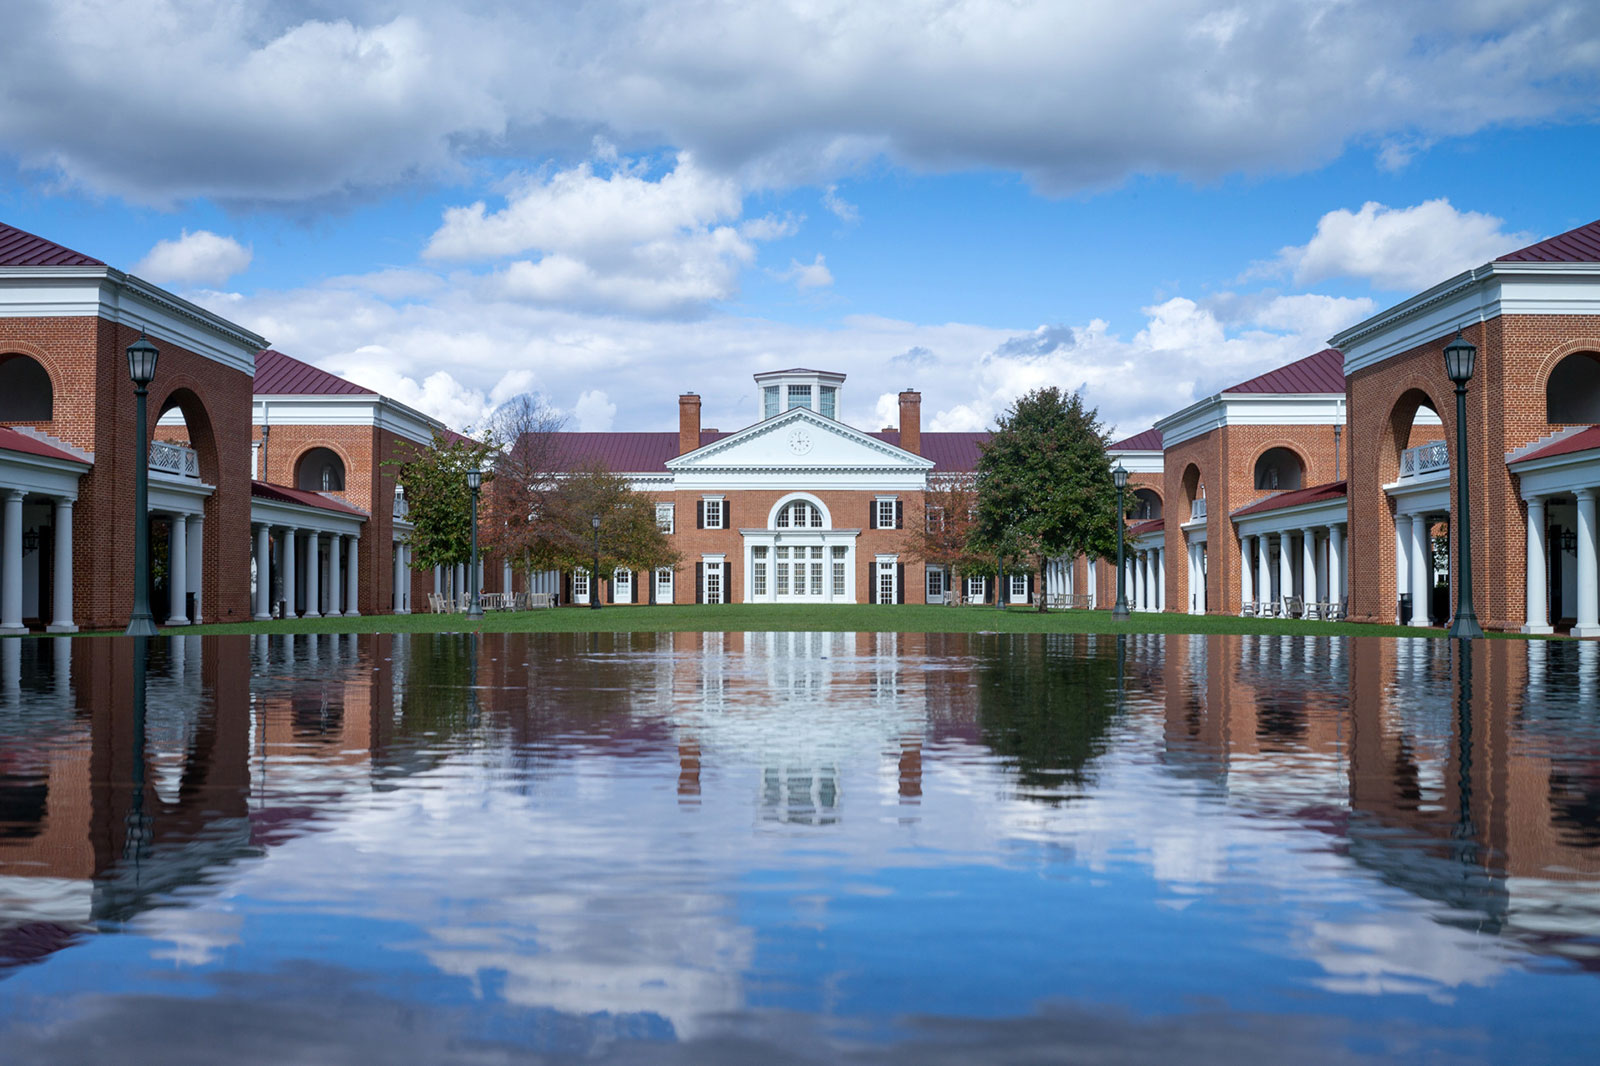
611	591
650	576
899	580
700	514
727	514
988	589
699	582
899	517
1030	588
566	587
872	514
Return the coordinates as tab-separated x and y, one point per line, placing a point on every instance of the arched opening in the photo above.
320	470
26	394
1572	395
184	468
1194	491
1414	423
1146	505
1279	470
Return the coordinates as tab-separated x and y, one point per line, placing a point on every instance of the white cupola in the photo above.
781	390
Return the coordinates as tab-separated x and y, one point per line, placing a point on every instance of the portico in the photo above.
314	571
1559	478
38	488
1293	548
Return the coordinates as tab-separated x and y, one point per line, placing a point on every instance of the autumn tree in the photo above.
1044	483
940	532
438	499
518	516
630	539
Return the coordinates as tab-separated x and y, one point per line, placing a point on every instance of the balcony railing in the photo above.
174	459
1197	510
401	507
1424	459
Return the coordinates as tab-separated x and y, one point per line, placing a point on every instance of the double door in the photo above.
800	572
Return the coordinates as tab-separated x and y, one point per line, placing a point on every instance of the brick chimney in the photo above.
911	421
688	423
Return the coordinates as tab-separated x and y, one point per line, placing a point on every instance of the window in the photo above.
664	585
714	582
886	511
829	401
783	571
816	571
838	572
758	572
885	582
622	586
580	585
975	589
713	513
664	517
1019	588
935	584
935	519
800	515
769	401
799	396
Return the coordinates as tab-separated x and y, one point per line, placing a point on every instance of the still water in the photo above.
798	848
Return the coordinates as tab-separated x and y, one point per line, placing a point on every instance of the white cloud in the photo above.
198	258
813	275
843	209
595	412
1400	249
298	102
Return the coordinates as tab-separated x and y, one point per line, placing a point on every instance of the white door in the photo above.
580	586
622	586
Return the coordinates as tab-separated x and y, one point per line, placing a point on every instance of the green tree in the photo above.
629	536
1044	484
439	501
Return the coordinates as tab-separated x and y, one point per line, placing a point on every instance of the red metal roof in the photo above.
1581	245
21	248
1323	372
12	441
1153	525
950	452
1578	442
648	453
284	494
282	375
1148	441
1333	490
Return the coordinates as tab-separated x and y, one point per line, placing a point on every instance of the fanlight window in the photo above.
1278	470
25	392
320	470
1572	395
800	515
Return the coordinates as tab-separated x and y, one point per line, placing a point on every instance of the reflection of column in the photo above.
1263	573
313	574
1285	564
11	672
290	582
352	589
910	769
1421	567
196	538
335	585
688	770
1308	570
1336	570
1588	584
177	570
62	622
1536	620
263	571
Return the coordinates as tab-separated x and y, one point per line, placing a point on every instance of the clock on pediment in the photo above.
800	440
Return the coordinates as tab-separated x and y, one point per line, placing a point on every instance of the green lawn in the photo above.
836	618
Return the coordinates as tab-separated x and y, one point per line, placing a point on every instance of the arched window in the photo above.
800	514
320	470
25	392
1278	470
1572	395
1146	505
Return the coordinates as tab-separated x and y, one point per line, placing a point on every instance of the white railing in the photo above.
1197	510
401	507
1424	459
174	459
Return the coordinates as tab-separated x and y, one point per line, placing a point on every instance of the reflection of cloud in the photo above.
1394	951
195	938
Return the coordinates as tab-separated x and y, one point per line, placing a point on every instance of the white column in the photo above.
62	622
1420	569
313	575
1136	585
1308	571
196	538
1536	619
352	587
177	570
395	600
1402	562
290	578
1246	568
1335	569
335	586
1285	564
1263	573
505	578
438	582
1588	565
263	572
1161	579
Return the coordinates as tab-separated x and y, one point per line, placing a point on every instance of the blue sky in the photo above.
969	197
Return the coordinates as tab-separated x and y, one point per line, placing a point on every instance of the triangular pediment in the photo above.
799	439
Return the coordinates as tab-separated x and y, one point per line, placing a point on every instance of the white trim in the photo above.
1139	462
891	460
1296	518
1420	495
40	474
366	409
1558	474
784	501
1250	409
278	513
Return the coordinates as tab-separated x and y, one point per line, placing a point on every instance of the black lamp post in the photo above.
142	357
594	578
474	482
1120	610
1460	359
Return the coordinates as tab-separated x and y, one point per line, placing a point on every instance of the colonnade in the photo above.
1147	579
1321	579
1587	615
185	537
342	595
11	553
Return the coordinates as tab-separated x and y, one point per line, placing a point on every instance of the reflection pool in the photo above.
798	848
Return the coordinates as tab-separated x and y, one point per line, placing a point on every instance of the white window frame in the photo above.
715	567
975	588
1017	588
840	577
828	401
930	575
706	502
580	585
771	401
758	571
664	580
879	505
886	567
621	586
795	392
669	511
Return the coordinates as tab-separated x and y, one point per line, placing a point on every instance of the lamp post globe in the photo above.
1119	610
474	482
594	579
142	356
1460	360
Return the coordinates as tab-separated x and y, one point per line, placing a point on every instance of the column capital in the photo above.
65	501
14	494
1586	493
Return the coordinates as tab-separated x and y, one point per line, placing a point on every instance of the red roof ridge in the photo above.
1148	440
1322	372
266	490
1330	490
1579	245
13	439
278	374
18	247
1586	438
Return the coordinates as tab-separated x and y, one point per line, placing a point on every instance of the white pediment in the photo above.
799	440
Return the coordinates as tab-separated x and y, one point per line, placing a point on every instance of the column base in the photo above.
13	631
352	614
1586	631
60	627
1537	630
262	617
177	620
312	614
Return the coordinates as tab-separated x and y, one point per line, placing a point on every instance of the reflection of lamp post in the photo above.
142	357
137	825
474	482
1120	610
1460	358
594	578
